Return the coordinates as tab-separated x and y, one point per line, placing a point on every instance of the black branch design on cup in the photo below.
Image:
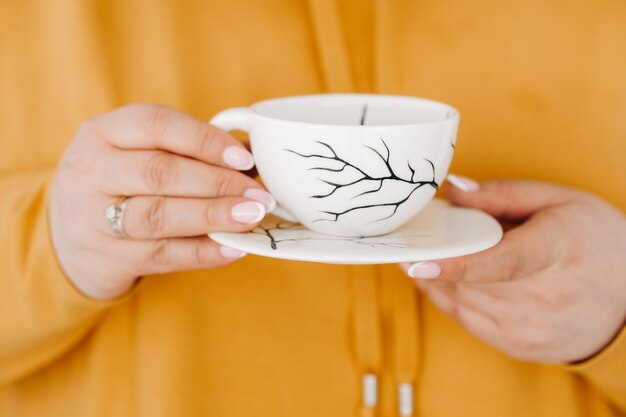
448	115
270	232
364	177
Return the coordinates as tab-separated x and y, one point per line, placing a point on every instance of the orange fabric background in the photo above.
542	94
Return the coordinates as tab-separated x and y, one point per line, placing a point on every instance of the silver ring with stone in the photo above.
115	216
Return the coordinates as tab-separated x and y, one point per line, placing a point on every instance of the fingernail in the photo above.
248	212
424	270
405	265
463	183
261	196
238	158
231	252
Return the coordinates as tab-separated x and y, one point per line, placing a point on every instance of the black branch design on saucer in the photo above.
363	177
267	231
271	231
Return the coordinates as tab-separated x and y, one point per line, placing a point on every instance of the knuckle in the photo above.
521	340
223	184
154	119
507	189
88	126
504	190
574	257
457	272
73	166
161	253
77	166
207	140
154	218
552	299
513	268
210	217
460	293
202	255
160	171
464	315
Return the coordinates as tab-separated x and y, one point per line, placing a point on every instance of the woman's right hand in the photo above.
180	176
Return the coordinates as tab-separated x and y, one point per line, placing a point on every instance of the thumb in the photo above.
506	199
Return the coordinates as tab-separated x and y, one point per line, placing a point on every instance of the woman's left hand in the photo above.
554	289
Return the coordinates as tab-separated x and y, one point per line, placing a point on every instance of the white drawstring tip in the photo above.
405	399
370	390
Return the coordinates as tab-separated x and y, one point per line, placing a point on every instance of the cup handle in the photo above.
237	118
240	118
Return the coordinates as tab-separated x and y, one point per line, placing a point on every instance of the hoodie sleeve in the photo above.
607	371
42	315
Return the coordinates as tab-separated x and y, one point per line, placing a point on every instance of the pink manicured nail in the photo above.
231	252
248	212
463	183
424	270
261	196
238	158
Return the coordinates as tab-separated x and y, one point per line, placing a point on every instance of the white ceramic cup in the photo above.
348	164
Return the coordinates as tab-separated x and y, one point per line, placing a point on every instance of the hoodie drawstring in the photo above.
386	330
385	309
404	340
366	327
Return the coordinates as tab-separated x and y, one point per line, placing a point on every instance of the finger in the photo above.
163	173
183	254
252	173
475	296
163	217
483	326
146	126
507	199
523	251
440	299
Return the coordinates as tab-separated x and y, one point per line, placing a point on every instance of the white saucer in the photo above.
439	231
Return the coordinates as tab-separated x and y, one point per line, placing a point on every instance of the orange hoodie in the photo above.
541	87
